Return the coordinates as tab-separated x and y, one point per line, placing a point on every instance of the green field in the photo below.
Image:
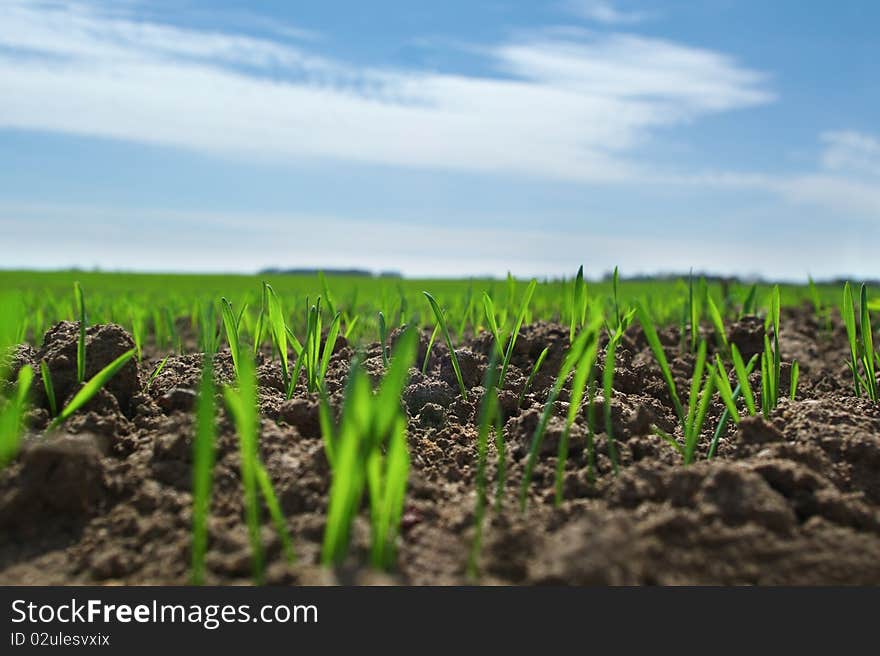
147	304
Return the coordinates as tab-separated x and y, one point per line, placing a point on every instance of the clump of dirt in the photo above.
793	499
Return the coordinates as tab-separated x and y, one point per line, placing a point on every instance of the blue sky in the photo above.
453	138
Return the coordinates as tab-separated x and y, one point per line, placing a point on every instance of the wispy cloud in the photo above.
851	152
570	108
605	12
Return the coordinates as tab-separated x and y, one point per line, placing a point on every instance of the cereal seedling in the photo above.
441	321
203	468
92	387
487	416
49	388
583	372
81	341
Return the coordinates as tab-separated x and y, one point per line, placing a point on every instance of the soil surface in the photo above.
792	500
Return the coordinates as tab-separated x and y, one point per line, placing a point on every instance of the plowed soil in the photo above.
792	500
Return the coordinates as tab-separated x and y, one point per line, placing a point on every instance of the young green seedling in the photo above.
92	387
203	468
868	354
700	397
81	341
441	321
487	416
735	396
12	416
46	375
578	307
608	389
243	405
571	359
370	426
383	334
231	324
582	373
535	369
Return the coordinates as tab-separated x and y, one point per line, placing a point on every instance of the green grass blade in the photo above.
12	415
795	375
696	428
274	508
431	341
46	375
725	391
438	314
85	394
849	319
742	375
242	404
535	369
718	324
571	358
277	329
868	346
203	467
383	333
329	345
660	355
527	297
81	341
487	415
492	323
583	370
608	389
230	324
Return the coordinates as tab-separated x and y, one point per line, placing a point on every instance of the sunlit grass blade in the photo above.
608	389
277	329
81	341
441	321
660	355
725	416
12	415
531	379
849	319
571	358
231	325
274	508
46	375
92	387
383	334
868	346
492	323
487	413
742	375
717	324
795	376
329	346
203	468
578	304
155	373
725	391
582	373
428	350
615	282
748	307
514	333
391	498
242	404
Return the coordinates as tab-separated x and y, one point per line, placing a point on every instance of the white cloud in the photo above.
564	108
851	152
88	236
605	12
